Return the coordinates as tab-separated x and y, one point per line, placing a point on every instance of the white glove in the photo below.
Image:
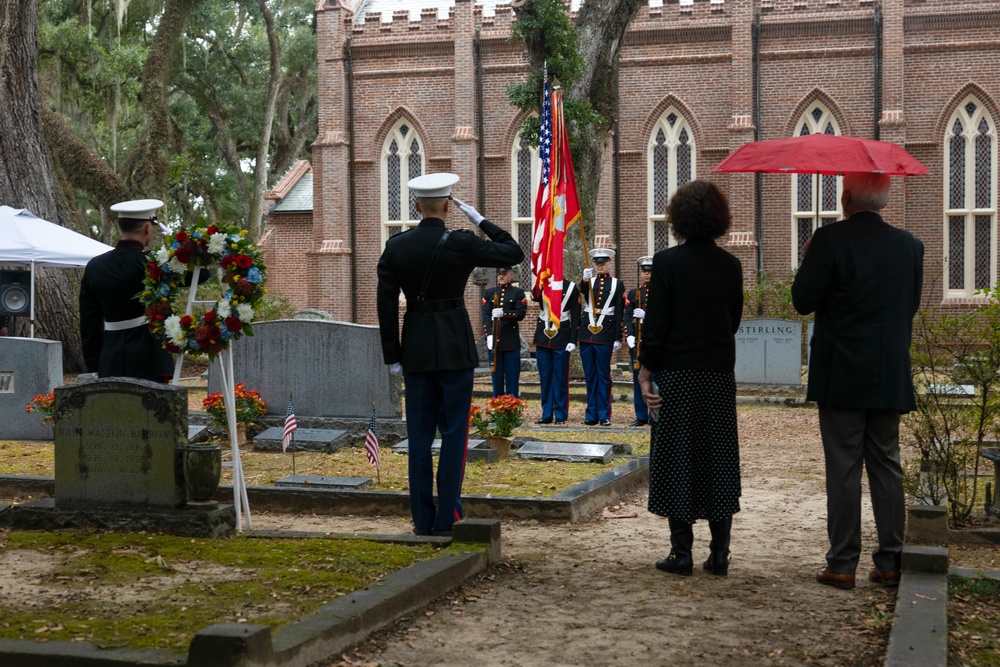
469	211
489	342
497	313
396	369
587	275
638	313
631	341
570	347
617	346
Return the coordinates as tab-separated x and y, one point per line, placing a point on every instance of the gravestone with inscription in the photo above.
769	351
573	452
120	442
28	367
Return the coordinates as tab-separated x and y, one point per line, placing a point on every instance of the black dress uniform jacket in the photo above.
515	307
612	324
107	293
567	327
862	277
437	334
636	298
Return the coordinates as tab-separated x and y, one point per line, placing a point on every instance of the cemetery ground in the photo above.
587	593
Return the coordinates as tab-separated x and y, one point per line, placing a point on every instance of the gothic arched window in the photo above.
402	160
671	164
970	195
812	190
524	174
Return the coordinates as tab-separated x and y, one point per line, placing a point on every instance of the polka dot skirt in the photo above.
694	463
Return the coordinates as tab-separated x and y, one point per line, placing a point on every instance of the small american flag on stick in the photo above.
371	444
290	426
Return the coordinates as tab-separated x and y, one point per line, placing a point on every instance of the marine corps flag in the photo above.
556	207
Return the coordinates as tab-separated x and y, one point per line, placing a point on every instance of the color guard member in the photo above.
635	313
503	307
552	349
600	333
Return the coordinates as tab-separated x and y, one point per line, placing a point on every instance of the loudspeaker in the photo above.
15	293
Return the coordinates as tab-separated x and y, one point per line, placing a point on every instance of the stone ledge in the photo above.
919	635
333	628
192	520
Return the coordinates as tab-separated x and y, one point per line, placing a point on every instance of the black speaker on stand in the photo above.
15	293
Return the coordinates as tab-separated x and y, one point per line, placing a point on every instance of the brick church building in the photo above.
418	86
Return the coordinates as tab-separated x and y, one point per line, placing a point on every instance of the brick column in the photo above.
329	260
892	125
464	142
742	241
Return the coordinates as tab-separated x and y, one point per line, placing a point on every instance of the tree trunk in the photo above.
27	177
256	214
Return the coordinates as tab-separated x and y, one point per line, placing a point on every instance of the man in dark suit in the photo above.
504	306
634	316
116	340
600	333
862	277
552	350
437	356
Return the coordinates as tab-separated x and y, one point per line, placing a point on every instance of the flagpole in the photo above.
378	468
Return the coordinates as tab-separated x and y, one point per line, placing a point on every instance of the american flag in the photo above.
371	441
290	426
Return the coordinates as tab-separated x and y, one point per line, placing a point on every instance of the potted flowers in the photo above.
44	403
249	407
497	421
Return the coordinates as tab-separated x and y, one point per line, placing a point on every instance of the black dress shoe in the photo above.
676	563
717	563
639	422
543	420
560	421
605	422
590	422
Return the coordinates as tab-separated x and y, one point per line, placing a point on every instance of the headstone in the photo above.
324	482
28	367
952	389
769	351
478	450
810	326
119	442
197	432
574	452
306	440
334	369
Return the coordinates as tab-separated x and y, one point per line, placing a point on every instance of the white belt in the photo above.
563	318
610	310
125	324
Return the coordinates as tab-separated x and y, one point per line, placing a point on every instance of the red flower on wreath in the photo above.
212	229
234	324
244	287
181	236
186	321
226	261
209	317
244	262
155	272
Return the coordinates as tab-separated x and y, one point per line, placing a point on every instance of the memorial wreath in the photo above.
168	269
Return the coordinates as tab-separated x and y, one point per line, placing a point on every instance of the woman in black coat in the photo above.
689	350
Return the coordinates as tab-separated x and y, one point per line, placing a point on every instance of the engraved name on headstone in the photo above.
324	482
769	351
28	367
306	440
574	452
119	442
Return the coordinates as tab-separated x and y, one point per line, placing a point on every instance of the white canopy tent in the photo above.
27	240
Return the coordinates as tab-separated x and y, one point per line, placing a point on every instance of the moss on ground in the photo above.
973	619
146	591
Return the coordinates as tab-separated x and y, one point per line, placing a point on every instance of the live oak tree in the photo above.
583	57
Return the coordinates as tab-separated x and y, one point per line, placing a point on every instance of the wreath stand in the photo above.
224	363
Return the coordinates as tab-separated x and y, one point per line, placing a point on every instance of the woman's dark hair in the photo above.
699	210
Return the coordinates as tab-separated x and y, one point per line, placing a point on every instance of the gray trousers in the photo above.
850	438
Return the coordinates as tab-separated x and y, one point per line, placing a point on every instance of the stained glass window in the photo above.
812	190
970	160
524	179
524	175
402	160
393	181
524	230
671	163
416	169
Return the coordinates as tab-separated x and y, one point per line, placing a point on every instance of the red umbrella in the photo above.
821	154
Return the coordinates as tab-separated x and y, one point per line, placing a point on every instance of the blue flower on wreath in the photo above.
163	290
254	275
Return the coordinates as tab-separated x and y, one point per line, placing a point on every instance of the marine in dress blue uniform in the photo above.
507	305
116	340
602	302
437	354
552	350
635	313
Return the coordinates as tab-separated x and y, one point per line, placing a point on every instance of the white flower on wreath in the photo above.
172	327
177	266
217	243
162	255
245	311
223	309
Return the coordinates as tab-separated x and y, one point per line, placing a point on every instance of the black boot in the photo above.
679	561
718	559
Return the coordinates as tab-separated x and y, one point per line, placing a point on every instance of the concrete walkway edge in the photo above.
919	635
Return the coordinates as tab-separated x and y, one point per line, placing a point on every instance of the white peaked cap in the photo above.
645	261
606	253
139	209
432	185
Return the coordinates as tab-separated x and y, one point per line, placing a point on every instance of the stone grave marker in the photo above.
326	440
120	442
28	367
324	482
334	369
478	450
573	452
769	351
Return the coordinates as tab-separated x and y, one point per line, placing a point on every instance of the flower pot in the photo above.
499	443
202	471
